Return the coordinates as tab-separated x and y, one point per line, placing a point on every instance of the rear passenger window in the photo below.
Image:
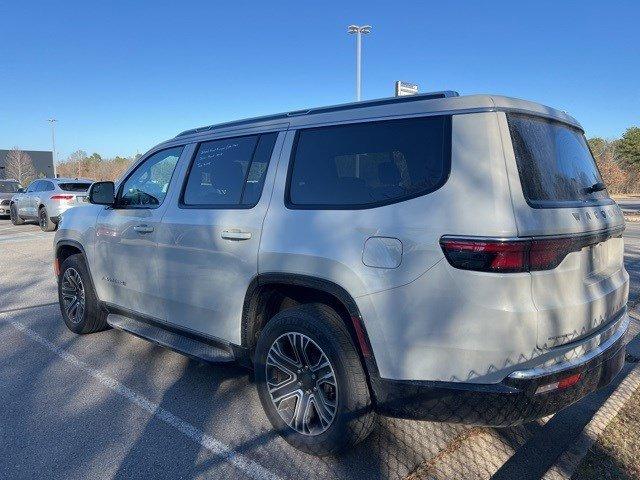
229	172
370	164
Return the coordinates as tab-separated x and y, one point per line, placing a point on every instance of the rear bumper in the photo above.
511	402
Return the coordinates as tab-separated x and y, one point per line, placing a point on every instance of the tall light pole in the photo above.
358	31
52	121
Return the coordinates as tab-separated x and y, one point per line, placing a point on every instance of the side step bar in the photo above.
175	341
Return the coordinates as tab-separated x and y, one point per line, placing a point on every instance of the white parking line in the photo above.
250	468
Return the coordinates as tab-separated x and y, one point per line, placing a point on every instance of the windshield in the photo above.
554	163
9	187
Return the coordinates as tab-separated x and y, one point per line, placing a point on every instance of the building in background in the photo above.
42	162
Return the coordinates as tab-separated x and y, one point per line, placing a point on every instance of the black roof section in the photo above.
333	108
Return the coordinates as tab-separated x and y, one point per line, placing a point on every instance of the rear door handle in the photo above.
235	235
143	229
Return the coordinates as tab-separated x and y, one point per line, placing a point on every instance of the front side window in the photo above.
369	164
554	163
229	172
33	186
147	186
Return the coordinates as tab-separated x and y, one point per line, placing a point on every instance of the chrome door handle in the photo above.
235	235
143	229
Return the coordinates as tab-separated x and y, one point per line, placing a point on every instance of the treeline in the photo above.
619	161
94	167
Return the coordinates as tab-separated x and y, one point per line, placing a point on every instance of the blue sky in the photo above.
122	76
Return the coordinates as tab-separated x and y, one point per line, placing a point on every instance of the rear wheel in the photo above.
46	224
78	302
15	218
311	381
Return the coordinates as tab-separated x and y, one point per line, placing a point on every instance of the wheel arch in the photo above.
66	248
270	293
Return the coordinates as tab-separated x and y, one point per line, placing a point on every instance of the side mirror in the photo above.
102	193
21	190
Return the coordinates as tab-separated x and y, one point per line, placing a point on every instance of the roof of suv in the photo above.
445	102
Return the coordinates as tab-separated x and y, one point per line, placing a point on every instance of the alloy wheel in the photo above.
73	295
301	383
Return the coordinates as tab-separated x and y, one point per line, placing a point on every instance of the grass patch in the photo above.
616	454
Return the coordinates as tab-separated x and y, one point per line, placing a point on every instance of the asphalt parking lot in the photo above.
110	405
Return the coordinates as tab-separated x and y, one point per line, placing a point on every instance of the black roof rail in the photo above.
333	108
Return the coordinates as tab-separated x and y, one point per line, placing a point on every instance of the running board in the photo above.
175	341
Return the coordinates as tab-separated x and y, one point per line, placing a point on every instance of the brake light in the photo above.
517	254
62	198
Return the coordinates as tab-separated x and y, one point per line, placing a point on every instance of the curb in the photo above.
568	462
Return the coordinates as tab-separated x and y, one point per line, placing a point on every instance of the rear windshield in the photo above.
74	187
555	164
9	187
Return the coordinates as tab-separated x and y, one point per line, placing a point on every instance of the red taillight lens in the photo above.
62	197
518	254
547	254
485	255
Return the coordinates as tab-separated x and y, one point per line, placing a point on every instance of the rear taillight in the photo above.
517	254
486	255
62	198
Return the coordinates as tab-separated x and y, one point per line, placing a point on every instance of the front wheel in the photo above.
311	382
78	301
15	218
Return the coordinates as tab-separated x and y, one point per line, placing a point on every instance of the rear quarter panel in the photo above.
329	244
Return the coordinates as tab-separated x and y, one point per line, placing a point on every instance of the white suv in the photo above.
430	257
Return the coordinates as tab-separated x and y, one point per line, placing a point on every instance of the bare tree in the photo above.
18	165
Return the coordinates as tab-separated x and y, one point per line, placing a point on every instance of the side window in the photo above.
147	186
34	186
47	186
369	164
229	172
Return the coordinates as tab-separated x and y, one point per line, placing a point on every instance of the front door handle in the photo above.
235	235
143	229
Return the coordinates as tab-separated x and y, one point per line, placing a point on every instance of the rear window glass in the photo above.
554	163
74	187
370	164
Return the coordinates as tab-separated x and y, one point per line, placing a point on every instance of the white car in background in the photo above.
8	188
46	199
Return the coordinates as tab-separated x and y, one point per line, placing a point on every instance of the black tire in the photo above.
15	218
93	318
354	417
45	222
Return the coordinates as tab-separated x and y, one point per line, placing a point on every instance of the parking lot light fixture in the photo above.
358	31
